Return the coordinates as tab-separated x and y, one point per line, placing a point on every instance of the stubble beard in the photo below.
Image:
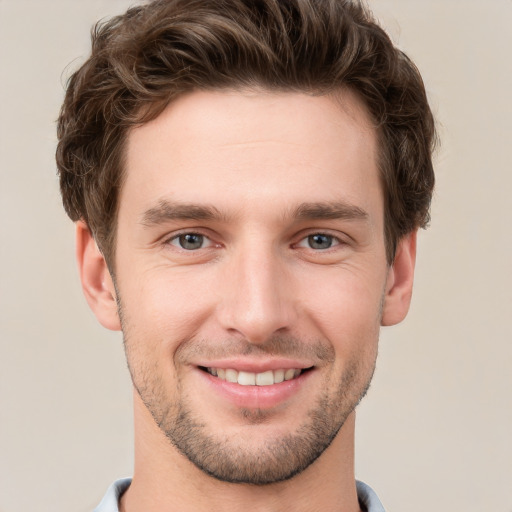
279	459
229	459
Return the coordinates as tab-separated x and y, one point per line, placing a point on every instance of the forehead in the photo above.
237	149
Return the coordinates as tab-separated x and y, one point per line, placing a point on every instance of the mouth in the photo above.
266	378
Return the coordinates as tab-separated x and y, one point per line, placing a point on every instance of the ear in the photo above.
97	283
399	281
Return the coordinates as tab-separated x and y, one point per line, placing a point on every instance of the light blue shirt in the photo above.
110	503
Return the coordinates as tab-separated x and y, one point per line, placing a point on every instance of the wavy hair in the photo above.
143	60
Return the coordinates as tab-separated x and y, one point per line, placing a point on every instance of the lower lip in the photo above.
256	397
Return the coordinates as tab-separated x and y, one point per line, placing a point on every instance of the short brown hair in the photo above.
153	53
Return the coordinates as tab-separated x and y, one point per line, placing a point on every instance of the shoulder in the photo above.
110	502
368	499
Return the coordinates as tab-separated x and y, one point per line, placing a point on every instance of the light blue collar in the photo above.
110	502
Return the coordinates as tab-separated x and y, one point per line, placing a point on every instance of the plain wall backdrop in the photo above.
435	431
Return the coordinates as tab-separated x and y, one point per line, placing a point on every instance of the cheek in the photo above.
164	308
347	308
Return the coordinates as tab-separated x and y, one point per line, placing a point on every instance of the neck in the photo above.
165	480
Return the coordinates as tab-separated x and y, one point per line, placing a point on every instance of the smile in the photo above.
267	378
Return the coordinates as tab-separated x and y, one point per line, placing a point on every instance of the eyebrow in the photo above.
166	211
330	210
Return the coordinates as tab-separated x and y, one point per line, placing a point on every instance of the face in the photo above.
251	275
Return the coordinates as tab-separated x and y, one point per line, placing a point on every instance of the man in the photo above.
247	180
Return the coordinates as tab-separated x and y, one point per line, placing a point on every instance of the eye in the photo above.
319	241
190	241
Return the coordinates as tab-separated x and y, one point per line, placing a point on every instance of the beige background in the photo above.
435	431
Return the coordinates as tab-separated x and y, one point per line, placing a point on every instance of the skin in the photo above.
257	175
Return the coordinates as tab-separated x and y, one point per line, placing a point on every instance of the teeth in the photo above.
264	379
232	376
289	374
254	379
246	378
278	376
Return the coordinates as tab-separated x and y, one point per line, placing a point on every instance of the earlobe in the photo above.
399	281
97	283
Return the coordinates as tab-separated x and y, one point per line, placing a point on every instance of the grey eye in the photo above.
190	241
320	241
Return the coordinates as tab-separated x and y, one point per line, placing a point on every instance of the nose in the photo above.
257	297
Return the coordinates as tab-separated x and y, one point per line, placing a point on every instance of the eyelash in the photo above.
334	241
177	238
178	241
